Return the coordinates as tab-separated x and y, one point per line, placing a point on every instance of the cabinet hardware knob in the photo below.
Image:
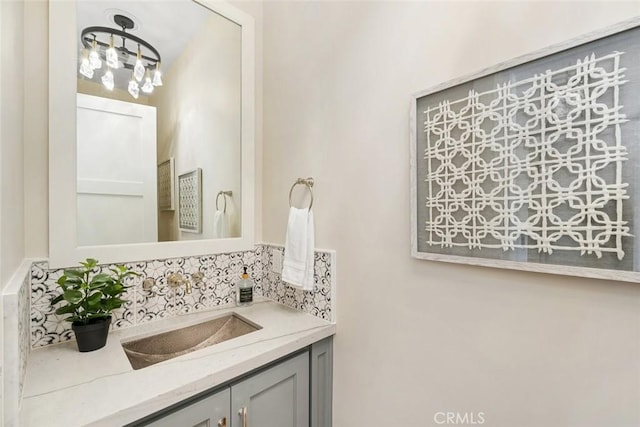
222	422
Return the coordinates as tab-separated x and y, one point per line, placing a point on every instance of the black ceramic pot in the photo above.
93	335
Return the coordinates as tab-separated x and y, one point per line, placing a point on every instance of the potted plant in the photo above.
89	298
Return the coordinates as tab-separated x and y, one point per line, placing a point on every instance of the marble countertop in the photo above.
67	388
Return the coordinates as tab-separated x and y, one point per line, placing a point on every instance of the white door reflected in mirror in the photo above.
116	148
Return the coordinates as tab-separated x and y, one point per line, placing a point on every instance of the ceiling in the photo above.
168	25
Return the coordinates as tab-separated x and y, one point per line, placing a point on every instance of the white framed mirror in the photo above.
168	172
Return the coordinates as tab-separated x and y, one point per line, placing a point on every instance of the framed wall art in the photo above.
166	185
190	201
534	164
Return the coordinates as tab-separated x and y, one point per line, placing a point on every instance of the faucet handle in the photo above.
175	280
149	285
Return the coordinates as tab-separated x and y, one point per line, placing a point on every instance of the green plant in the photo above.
88	295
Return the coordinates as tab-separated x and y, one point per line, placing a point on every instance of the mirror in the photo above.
167	154
157	158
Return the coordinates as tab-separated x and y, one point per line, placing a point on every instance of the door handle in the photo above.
222	422
243	415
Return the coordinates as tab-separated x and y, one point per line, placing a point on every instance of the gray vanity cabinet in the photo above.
212	411
295	392
322	383
275	397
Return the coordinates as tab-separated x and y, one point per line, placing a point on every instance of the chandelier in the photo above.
100	52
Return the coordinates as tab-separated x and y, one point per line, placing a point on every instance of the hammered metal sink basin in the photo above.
156	348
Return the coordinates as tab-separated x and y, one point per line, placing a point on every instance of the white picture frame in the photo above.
190	201
166	185
619	257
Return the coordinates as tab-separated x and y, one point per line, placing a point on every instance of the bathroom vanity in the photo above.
274	396
280	372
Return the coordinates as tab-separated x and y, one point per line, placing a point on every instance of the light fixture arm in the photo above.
88	36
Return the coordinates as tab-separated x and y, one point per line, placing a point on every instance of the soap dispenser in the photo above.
244	296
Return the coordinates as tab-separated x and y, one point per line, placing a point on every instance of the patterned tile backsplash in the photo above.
318	302
221	272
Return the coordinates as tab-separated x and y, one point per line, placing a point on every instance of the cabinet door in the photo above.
212	411
322	383
276	397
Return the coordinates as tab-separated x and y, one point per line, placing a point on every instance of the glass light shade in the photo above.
134	90
85	68
107	80
147	87
112	58
138	70
111	55
157	78
94	59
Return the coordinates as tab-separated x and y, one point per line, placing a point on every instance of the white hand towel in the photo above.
220	225
297	268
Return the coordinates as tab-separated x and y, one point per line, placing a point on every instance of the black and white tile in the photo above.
218	287
319	301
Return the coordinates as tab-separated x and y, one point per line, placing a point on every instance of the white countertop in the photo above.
67	388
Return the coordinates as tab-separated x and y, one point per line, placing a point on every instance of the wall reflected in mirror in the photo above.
144	120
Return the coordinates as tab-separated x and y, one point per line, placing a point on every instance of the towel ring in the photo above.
302	181
224	195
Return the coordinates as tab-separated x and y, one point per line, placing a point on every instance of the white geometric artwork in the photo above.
166	185
190	201
533	163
